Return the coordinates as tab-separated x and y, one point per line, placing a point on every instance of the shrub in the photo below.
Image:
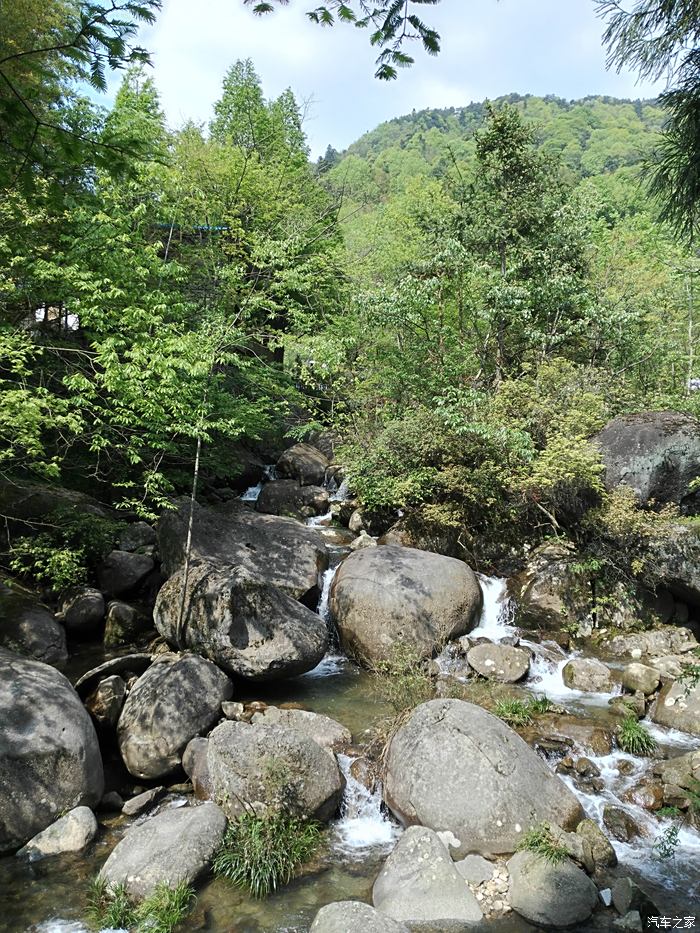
260	853
539	839
403	679
111	907
513	712
634	738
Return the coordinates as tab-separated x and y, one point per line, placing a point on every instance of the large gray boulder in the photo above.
548	894
354	917
304	463
122	572
325	731
454	766
271	766
278	551
655	453
172	847
28	628
420	883
49	755
589	675
551	590
287	497
502	663
385	595
71	833
83	611
678	707
106	701
248	627
178	697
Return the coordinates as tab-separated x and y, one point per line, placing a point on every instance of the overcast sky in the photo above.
489	48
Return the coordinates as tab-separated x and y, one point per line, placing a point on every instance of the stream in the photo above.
49	896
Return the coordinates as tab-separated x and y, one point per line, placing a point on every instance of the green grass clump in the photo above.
111	908
403	679
539	839
541	704
513	712
261	853
634	738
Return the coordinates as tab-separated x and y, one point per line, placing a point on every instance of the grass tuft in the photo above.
262	853
539	839
111	908
634	738
513	712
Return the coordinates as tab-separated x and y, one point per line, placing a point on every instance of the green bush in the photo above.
260	853
634	738
111	908
539	839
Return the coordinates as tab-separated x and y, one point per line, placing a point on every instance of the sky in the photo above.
489	48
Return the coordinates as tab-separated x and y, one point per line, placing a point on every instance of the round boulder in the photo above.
49	755
274	767
589	675
678	707
503	663
419	883
178	697
27	627
455	767
122	572
549	894
354	917
384	595
248	627
173	847
325	731
71	833
287	497
304	463
637	676
655	453
83	611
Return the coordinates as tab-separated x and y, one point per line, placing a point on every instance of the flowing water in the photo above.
49	896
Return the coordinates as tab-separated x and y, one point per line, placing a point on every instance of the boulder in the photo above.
49	755
287	497
178	697
419	883
27	506
678	707
657	643
628	896
248	627
682	771
551	591
676	559
502	663
475	869
276	551
549	894
172	847
602	851
123	625
136	536
363	540
304	463
196	767
384	595
143	802
106	701
588	675
354	917
270	766
454	766
356	523
28	628
620	824
122	572
414	531
83	611
71	833
638	676
656	454
325	731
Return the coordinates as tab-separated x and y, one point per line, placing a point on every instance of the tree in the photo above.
662	38
392	22
46	50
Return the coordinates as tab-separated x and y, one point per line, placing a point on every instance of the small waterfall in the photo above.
324	609
252	492
363	824
497	611
340	493
317	520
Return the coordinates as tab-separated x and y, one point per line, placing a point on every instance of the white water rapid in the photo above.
253	492
363	824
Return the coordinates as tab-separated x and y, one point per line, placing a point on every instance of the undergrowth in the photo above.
260	853
109	907
634	739
540	840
